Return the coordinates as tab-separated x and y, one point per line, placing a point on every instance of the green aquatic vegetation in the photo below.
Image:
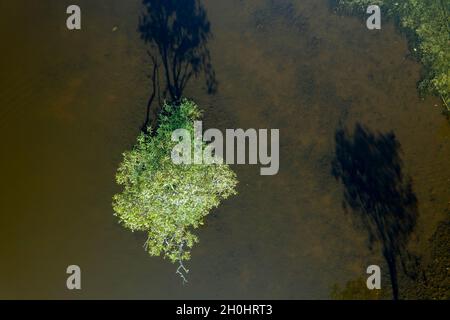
427	22
167	200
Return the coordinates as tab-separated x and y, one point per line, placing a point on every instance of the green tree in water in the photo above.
167	200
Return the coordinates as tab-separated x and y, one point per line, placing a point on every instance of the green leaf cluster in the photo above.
165	200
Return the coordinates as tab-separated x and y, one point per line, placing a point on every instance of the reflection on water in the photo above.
71	102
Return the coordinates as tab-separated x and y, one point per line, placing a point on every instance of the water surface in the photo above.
72	102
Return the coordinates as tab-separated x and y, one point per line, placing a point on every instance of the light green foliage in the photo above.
429	21
167	200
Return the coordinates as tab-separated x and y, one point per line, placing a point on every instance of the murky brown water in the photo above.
72	102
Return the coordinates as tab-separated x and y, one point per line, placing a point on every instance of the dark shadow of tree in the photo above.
177	32
370	168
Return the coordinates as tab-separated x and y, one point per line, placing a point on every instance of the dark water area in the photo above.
72	102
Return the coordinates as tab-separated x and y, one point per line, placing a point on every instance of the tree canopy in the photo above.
167	200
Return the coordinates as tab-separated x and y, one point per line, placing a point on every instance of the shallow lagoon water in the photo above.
72	102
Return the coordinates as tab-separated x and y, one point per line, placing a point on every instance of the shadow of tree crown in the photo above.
179	30
370	168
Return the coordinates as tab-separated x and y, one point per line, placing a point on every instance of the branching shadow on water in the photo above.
370	168
177	32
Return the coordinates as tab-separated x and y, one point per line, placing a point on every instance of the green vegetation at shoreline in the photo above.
427	25
433	271
164	199
431	280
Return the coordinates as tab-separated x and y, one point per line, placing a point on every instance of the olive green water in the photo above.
72	102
